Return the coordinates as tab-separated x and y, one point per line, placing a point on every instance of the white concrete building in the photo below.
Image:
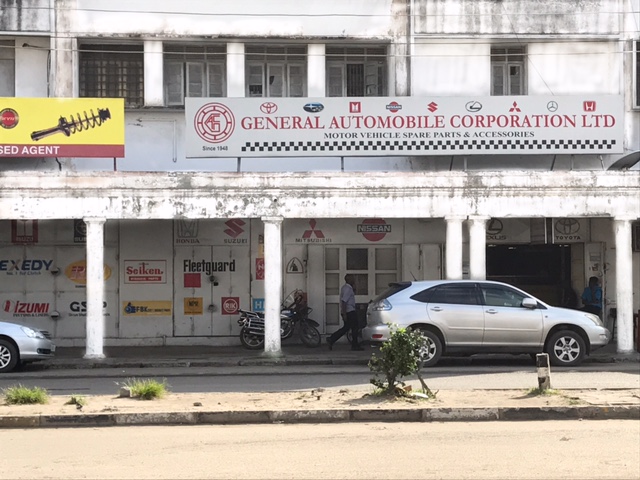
162	245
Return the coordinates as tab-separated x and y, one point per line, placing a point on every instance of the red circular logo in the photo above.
214	122
393	107
8	118
374	229
230	305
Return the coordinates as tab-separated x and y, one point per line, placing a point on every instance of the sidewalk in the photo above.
292	354
317	405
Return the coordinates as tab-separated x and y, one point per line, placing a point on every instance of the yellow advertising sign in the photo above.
147	308
61	127
77	272
193	306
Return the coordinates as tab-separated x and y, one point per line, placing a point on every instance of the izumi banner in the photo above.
61	127
376	126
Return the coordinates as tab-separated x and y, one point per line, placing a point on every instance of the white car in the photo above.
20	344
470	317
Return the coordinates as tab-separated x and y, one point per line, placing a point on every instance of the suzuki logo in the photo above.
234	228
432	107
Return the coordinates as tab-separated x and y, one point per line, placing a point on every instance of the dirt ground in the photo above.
321	399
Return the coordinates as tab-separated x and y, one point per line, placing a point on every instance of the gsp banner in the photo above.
286	127
61	127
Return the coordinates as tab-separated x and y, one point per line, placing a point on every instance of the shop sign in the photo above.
147	308
62	127
409	126
16	308
569	230
193	306
373	229
257	305
25	266
313	234
79	309
230	305
77	272
259	268
145	271
24	231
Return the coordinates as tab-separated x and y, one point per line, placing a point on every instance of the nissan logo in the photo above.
473	106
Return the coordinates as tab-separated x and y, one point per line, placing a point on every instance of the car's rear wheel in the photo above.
8	356
433	350
566	348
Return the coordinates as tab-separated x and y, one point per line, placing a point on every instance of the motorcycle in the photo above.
294	316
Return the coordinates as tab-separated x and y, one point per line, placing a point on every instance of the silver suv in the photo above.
468	316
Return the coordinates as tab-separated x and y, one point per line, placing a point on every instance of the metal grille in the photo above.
113	71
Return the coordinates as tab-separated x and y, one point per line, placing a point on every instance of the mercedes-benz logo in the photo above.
552	106
473	106
567	226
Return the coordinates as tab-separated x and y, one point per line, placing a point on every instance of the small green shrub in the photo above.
78	400
534	392
400	356
21	395
146	389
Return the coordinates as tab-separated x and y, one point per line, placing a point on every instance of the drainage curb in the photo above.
480	414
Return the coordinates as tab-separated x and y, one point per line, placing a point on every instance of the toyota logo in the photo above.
268	107
567	226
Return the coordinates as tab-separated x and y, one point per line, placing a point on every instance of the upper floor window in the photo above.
113	71
276	71
193	71
7	68
636	73
508	71
356	71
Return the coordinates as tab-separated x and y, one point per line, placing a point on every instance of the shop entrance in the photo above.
542	270
373	267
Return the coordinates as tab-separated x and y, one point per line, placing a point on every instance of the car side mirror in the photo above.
529	303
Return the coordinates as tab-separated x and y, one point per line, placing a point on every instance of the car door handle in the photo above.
492	311
436	309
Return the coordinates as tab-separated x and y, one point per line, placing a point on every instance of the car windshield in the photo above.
392	289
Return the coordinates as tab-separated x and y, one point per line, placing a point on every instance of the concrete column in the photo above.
235	70
272	284
316	70
453	248
478	248
153	74
95	287
624	284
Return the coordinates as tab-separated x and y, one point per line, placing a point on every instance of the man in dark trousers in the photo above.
348	313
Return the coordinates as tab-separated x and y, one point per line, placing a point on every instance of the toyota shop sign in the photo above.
290	127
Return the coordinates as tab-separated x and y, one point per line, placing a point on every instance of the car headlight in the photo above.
30	332
595	319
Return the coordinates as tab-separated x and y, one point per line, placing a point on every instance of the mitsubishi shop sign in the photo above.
402	126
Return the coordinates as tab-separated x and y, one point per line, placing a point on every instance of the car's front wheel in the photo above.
566	348
433	350
8	356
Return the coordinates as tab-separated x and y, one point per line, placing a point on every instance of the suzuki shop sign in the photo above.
382	126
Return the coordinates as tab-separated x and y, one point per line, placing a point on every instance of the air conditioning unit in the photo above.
635	237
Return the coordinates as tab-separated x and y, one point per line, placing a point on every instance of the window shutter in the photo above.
295	80
497	79
371	76
516	86
195	80
275	77
216	80
174	84
335	80
255	83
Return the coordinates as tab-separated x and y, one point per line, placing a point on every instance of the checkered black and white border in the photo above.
427	145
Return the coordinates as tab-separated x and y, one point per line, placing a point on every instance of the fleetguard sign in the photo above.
402	126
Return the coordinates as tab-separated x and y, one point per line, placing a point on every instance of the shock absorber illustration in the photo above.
84	121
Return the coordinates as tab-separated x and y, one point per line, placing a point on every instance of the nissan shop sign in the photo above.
382	126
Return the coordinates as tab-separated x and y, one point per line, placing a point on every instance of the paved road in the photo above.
248	379
487	450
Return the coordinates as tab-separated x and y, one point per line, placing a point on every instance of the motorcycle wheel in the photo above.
286	328
251	341
310	335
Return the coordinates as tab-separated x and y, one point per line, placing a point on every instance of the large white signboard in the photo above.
285	127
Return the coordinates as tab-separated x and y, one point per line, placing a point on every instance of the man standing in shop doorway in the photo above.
348	313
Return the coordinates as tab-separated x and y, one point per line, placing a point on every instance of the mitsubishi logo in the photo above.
515	107
313	231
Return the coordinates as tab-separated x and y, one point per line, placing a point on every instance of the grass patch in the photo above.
534	392
146	389
78	400
21	395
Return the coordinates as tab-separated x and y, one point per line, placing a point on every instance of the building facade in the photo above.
505	145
